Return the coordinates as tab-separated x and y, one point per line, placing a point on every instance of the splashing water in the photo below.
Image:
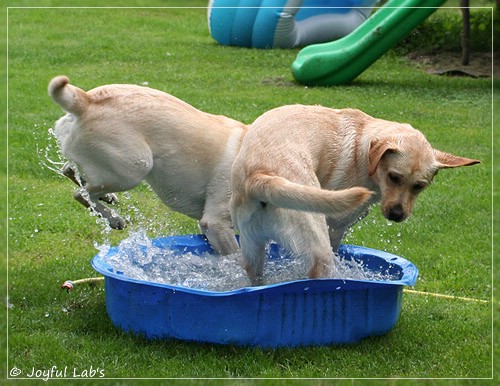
50	156
136	257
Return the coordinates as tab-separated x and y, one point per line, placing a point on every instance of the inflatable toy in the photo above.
284	23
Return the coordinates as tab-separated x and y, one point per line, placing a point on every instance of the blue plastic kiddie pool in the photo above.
295	313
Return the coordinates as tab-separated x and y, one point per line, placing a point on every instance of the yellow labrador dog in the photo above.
119	135
304	174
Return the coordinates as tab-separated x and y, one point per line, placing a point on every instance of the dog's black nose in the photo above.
396	213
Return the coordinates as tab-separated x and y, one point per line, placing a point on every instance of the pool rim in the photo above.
409	270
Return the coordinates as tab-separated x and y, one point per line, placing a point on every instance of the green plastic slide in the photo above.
341	61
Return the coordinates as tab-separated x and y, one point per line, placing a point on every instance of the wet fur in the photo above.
304	174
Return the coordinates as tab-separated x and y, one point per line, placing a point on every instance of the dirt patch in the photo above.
450	63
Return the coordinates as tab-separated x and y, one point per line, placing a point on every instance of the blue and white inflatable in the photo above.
284	23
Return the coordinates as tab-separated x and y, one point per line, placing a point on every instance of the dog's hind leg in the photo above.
321	256
69	171
305	235
84	198
253	252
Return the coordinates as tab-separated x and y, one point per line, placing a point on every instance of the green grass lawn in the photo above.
51	237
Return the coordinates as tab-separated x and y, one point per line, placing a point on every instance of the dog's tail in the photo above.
70	98
283	193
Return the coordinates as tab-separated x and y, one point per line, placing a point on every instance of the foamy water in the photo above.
137	258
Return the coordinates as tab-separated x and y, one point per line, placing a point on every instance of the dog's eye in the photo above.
395	179
418	187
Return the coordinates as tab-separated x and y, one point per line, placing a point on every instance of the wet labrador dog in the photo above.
304	174
119	135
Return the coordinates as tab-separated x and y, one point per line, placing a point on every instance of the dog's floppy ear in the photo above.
446	160
379	147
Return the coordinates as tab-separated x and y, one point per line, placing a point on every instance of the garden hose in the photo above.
69	285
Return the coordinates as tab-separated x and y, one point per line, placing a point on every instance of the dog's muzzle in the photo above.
396	214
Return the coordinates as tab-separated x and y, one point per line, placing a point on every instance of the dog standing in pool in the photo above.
304	174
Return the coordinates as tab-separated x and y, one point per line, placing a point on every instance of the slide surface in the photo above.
341	61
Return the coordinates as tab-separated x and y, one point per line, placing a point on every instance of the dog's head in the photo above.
403	165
